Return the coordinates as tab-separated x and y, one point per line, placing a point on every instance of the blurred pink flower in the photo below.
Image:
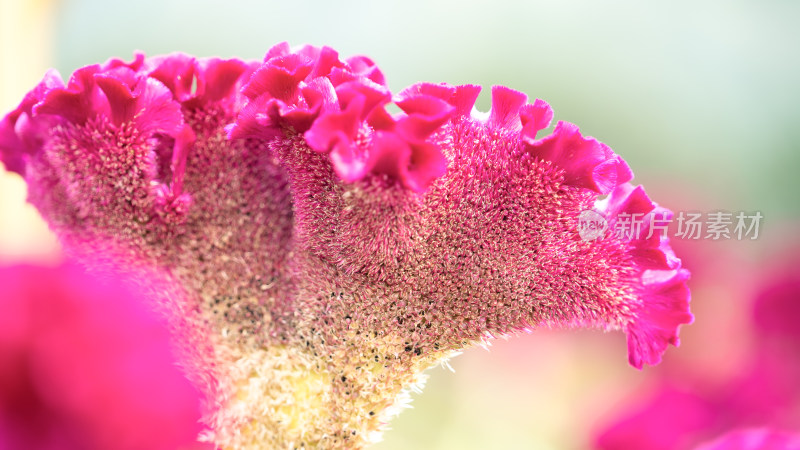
764	393
671	419
755	439
85	365
312	229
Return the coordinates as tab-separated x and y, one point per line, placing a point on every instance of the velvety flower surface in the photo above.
84	364
331	251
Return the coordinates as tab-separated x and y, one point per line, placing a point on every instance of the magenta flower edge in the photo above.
324	252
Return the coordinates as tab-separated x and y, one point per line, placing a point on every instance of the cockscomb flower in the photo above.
329	249
85	364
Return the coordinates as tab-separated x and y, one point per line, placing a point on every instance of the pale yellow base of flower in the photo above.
285	397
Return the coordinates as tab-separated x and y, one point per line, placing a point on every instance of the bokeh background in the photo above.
700	97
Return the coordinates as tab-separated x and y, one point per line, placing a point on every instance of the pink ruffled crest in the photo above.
282	93
279	78
653	250
219	78
254	121
80	100
665	306
425	165
117	87
416	164
372	95
176	72
12	147
506	104
198	82
127	97
645	227
339	107
19	135
149	96
325	60
136	64
462	98
335	133
144	101
398	147
587	163
441	91
365	67
82	97
171	202
117	92
534	118
279	49
321	97
425	115
663	285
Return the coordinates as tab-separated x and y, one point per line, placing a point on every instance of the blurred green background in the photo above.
700	97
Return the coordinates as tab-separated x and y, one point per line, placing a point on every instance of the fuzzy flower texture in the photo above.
319	252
